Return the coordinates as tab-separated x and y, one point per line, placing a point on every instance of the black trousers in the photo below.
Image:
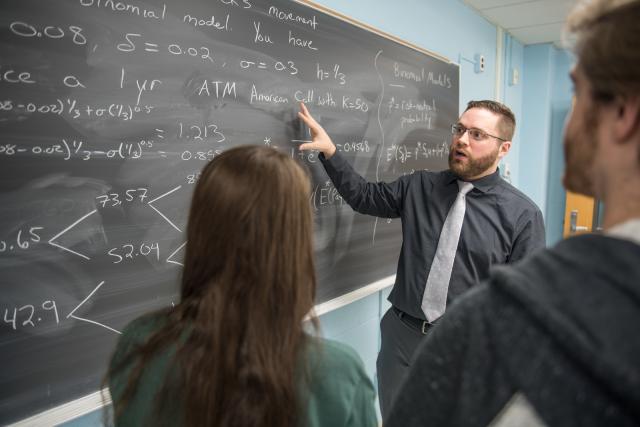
399	339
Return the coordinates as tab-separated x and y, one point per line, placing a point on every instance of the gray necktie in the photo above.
434	299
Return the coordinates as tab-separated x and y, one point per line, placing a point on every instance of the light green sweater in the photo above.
340	392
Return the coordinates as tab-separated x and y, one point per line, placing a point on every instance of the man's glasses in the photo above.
476	134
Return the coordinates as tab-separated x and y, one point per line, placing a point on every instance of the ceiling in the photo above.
529	21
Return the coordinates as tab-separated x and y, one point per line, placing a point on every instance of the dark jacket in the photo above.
559	329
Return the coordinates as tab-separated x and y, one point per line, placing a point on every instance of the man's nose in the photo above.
464	138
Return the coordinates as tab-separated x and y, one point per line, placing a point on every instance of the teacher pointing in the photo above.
456	224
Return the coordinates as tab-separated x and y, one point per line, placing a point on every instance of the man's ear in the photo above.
627	118
504	149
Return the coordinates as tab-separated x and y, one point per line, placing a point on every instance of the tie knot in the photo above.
464	187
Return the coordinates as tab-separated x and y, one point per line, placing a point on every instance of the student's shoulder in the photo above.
143	326
137	332
336	354
340	391
331	359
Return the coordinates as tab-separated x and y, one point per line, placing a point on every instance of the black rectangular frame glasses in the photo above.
476	134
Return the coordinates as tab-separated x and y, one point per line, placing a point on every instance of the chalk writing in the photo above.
71	107
117	199
288	66
12	76
325	195
204	156
119	6
200	132
300	42
130	251
271	98
354	103
23	239
30	315
192	178
27	30
353	146
439	79
221	89
244	4
334	73
133	43
290	16
259	37
208	22
403	152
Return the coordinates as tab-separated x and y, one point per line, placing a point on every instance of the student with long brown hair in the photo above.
234	351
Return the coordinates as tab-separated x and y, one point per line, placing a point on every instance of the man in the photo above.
554	340
456	224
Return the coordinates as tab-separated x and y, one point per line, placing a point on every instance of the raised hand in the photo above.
320	140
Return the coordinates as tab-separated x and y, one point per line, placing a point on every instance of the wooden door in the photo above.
581	208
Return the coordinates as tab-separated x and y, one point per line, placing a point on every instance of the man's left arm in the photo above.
530	237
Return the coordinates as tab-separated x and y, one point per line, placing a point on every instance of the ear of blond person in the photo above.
319	139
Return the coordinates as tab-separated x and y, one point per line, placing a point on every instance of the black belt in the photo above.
419	324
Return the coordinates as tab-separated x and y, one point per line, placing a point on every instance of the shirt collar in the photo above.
483	184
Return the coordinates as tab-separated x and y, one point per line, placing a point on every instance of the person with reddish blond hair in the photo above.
456	225
554	340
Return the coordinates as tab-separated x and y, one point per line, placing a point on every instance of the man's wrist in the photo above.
330	152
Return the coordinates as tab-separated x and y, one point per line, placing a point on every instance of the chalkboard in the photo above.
109	110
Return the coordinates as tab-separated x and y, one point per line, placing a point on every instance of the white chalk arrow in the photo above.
160	213
72	315
52	243
173	253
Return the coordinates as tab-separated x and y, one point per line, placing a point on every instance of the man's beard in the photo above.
579	155
472	167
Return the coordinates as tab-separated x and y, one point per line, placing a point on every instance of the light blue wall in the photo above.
513	94
534	152
560	106
546	102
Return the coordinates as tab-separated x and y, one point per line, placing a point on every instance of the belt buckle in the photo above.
425	326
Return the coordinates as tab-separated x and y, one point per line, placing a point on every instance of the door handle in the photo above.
573	223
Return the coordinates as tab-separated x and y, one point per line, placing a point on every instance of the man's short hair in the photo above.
606	37
507	123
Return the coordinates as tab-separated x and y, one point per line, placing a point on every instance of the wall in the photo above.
534	153
513	95
547	100
453	30
560	105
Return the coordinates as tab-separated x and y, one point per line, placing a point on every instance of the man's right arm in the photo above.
378	199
